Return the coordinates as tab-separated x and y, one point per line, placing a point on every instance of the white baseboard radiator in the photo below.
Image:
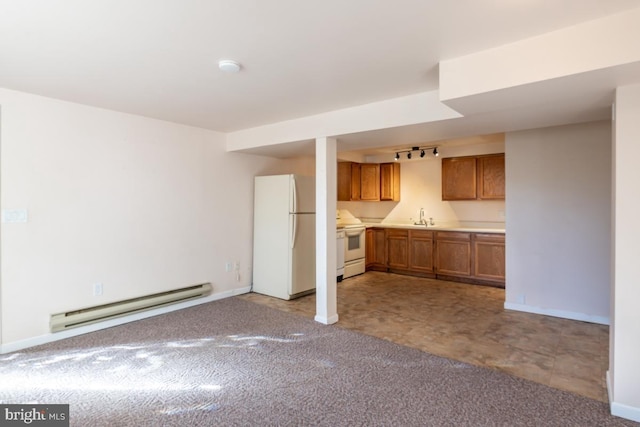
85	316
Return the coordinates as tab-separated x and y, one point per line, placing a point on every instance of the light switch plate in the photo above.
14	215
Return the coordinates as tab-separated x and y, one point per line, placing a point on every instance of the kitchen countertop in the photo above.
433	227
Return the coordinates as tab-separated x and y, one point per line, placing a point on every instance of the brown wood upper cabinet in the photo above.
348	181
390	181
459	176
368	181
491	177
473	178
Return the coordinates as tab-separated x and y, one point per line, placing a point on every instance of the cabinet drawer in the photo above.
421	234
490	237
397	233
453	235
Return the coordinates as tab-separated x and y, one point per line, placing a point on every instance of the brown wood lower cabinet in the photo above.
489	257
397	249
453	255
369	248
376	249
421	246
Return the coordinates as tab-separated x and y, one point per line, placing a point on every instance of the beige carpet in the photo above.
233	362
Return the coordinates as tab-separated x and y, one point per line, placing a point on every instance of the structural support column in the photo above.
326	185
623	378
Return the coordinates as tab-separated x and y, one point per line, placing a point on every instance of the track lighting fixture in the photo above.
422	150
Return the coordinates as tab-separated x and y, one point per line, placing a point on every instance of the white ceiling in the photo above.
158	58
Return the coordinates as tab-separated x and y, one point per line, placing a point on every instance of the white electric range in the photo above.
354	243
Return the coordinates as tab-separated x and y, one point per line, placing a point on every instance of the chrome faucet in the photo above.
421	221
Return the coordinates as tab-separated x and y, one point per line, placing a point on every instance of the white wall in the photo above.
624	371
421	187
139	205
558	215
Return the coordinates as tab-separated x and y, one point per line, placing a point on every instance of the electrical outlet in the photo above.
97	289
228	266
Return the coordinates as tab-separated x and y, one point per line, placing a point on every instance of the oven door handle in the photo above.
353	233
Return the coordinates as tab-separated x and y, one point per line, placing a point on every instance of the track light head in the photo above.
422	153
397	157
435	152
409	155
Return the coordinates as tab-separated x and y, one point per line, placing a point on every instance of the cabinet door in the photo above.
397	249
459	176
356	187
369	181
390	181
489	257
491	177
379	249
421	251
344	181
369	246
453	253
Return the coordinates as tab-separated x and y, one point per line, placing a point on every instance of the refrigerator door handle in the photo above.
294	195
294	220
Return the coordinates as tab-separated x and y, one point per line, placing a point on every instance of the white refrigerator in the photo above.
284	237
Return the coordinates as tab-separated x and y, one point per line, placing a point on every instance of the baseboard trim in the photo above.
51	337
618	409
326	320
625	411
241	291
609	386
602	320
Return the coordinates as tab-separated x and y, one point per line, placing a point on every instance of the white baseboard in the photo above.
609	387
51	337
624	411
618	409
326	320
602	320
241	291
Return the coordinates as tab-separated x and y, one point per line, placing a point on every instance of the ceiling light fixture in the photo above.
228	66
422	150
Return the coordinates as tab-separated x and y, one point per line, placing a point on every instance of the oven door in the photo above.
354	246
